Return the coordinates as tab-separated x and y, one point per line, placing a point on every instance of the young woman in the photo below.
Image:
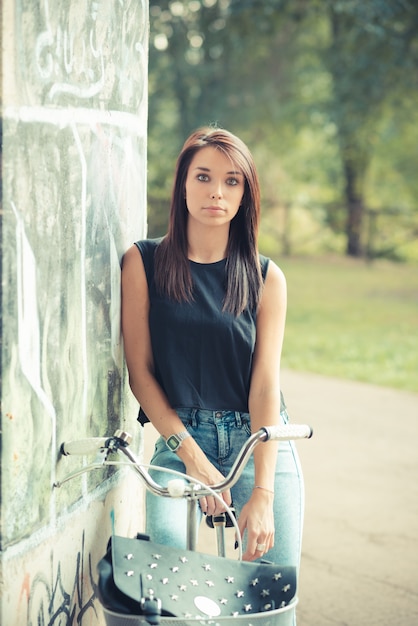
203	317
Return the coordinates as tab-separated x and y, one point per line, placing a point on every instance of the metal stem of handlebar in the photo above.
191	526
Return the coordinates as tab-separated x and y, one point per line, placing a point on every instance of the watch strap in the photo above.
174	441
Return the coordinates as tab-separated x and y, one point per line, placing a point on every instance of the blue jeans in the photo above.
221	435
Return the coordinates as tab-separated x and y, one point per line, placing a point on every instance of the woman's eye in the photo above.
203	177
232	181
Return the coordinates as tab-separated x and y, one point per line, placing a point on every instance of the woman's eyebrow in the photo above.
207	169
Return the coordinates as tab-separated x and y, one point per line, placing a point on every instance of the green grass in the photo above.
352	320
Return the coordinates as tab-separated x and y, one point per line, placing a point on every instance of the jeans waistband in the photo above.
211	417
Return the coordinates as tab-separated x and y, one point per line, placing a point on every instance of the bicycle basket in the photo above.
153	583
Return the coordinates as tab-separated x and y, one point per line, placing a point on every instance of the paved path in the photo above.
360	551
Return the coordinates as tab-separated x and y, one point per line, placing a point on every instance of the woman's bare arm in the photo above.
264	406
146	389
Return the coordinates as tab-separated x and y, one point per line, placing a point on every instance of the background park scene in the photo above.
325	93
326	96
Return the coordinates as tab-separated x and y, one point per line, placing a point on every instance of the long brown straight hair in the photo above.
243	273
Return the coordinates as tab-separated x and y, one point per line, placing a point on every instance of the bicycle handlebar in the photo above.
84	446
94	444
121	440
288	432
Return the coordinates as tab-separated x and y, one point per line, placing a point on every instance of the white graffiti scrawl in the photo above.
74	198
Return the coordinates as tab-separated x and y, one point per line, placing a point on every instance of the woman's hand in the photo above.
209	475
257	518
199	466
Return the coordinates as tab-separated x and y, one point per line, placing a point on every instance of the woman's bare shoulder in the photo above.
275	279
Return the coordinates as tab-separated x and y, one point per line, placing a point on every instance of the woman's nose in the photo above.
216	193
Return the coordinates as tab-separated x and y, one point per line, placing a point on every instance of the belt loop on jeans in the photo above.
193	418
238	420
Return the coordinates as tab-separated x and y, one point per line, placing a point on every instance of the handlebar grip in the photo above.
83	446
288	432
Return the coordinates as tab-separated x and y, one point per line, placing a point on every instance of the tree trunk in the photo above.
355	208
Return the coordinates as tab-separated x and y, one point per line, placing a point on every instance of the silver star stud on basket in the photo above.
277	576
229	579
254	582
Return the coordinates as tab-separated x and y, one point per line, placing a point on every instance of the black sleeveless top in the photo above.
202	355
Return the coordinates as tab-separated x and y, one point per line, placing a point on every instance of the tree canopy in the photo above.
324	92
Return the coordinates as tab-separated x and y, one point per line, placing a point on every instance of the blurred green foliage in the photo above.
325	93
351	320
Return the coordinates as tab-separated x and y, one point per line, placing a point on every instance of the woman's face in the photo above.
214	187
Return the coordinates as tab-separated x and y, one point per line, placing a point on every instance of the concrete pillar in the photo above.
74	118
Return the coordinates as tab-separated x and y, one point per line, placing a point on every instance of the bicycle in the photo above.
147	606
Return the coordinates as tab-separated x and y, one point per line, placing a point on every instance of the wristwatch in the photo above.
174	441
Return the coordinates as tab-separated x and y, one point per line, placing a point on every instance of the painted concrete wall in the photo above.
74	116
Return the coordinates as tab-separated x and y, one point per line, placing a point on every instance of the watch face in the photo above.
173	443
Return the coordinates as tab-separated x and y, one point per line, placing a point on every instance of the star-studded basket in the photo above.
141	583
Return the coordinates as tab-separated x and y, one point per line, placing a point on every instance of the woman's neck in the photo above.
207	246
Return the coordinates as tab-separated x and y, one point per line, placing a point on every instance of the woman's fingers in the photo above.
212	506
260	546
259	528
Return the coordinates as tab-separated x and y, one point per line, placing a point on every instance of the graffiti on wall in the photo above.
84	50
50	601
74	188
74	200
